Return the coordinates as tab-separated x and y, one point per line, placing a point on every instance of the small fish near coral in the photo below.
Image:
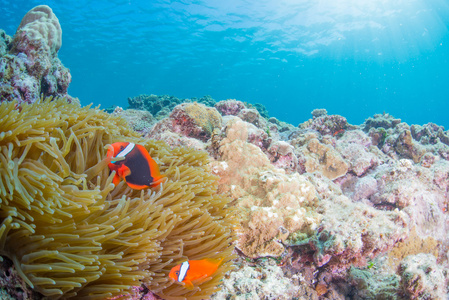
195	270
137	169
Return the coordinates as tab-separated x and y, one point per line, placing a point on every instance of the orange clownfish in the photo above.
138	169
194	270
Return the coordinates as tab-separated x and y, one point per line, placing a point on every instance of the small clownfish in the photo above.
138	169
195	270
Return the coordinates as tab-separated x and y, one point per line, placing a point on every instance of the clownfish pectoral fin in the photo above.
188	284
124	171
116	179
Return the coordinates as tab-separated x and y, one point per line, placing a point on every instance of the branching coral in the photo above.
70	233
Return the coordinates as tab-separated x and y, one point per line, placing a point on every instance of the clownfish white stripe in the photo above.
183	271
125	151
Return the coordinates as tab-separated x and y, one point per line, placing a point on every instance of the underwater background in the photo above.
354	58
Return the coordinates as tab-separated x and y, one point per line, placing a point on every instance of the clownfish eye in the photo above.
177	272
121	147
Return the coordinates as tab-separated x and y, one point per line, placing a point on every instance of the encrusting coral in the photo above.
71	233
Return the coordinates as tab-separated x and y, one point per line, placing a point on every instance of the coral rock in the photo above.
5	40
230	107
374	284
326	124
195	120
319	112
385	121
429	134
252	116
323	158
272	204
352	232
355	147
406	147
31	67
40	23
364	188
264	282
422	277
281	155
161	106
139	120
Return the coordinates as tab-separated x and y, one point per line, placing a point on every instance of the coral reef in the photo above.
325	210
356	148
413	245
139	120
191	120
350	233
252	116
5	40
325	124
12	285
261	109
374	282
272	204
281	155
385	121
264	281
422	277
319	157
29	65
429	134
71	233
318	112
363	197
229	107
161	106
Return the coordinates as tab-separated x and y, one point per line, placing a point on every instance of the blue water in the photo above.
354	58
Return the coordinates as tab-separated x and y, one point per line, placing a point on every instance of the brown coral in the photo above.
70	233
324	159
195	120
